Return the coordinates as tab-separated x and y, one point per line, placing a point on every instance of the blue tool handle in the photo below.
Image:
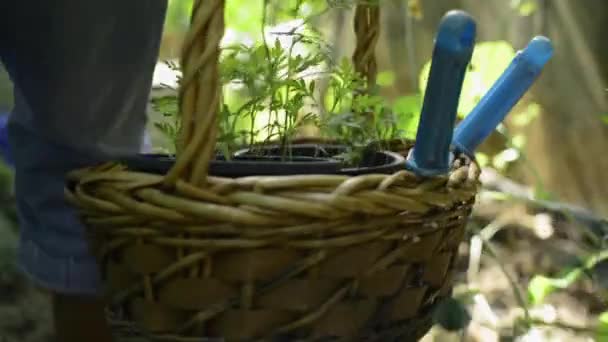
502	97
454	45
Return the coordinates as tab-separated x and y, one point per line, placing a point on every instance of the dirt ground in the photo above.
24	310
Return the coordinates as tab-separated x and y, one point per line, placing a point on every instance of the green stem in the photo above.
264	18
519	297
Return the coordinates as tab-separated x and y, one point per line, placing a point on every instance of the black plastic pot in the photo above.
268	161
385	162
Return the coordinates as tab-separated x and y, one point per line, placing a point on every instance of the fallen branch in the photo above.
502	188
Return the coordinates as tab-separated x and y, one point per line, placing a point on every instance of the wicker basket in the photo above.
287	258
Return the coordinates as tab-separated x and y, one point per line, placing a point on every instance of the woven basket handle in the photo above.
200	88
367	30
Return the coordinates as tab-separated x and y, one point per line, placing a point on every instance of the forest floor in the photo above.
526	241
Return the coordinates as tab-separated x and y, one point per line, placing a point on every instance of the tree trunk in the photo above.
568	143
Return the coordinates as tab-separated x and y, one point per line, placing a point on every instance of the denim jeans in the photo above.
82	72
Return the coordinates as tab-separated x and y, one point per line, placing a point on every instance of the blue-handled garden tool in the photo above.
502	97
454	45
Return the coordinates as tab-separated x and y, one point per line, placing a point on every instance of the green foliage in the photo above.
525	7
341	101
342	83
601	334
357	119
273	91
407	109
540	193
270	93
605	118
502	159
540	286
244	16
168	107
385	78
482	159
526	115
282	10
178	15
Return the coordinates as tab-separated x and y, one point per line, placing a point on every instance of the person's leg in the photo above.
53	251
80	318
82	72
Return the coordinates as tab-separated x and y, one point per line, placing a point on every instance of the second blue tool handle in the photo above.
502	97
